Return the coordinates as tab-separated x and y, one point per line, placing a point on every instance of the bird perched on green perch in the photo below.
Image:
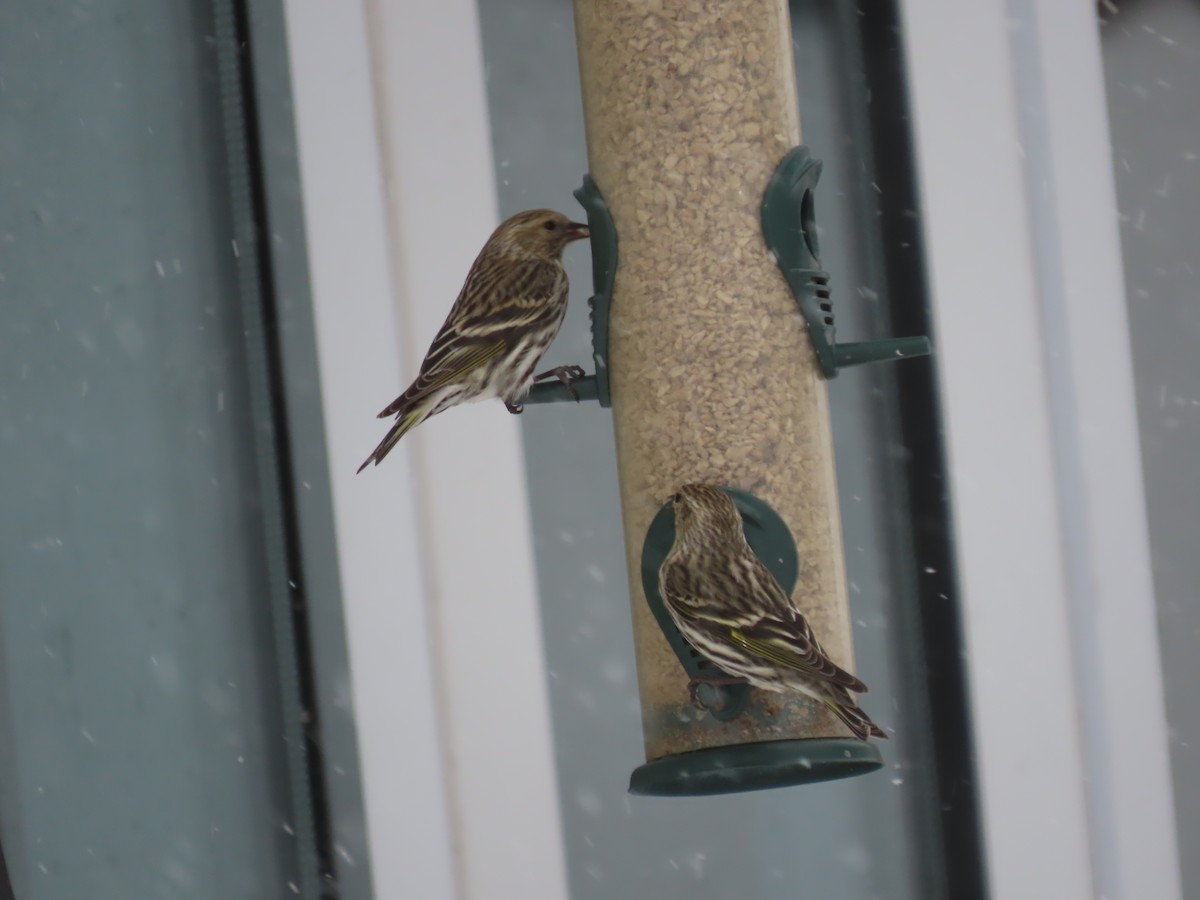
729	606
507	314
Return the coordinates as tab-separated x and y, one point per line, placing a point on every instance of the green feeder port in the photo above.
738	767
604	272
790	229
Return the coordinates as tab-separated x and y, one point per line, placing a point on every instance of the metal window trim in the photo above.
1034	363
401	767
435	546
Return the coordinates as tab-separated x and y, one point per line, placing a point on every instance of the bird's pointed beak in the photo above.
576	231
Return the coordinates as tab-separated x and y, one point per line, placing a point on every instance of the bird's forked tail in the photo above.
856	720
405	423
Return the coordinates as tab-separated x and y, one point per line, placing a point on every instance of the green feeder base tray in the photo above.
754	767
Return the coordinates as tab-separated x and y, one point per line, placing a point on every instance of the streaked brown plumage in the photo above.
508	312
729	606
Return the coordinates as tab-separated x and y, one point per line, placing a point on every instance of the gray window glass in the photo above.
1152	71
150	730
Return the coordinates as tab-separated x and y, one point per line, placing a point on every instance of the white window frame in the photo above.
434	546
1020	217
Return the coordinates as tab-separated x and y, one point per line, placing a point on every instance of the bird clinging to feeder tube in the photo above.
730	608
508	312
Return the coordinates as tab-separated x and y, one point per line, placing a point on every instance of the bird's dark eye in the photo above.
549	224
675	498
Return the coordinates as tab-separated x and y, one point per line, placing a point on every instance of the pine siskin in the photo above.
730	608
508	312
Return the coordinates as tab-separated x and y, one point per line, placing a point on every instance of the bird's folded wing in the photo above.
497	305
457	362
779	633
452	364
791	644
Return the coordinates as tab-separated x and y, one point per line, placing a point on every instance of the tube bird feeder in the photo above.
713	371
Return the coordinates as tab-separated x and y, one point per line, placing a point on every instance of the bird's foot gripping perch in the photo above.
565	374
710	692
